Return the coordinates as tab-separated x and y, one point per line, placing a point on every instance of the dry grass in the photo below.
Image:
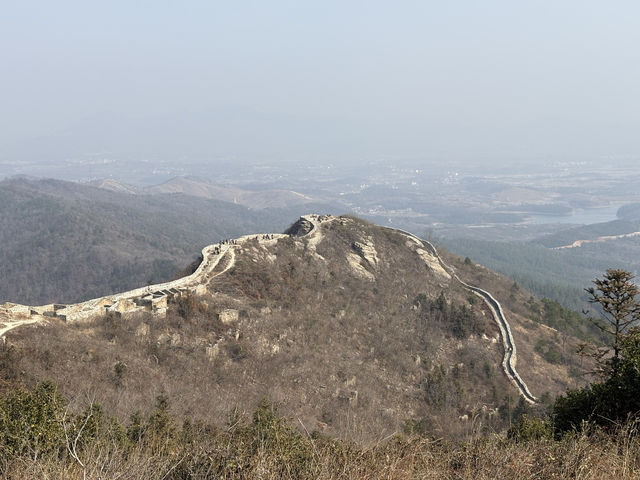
575	457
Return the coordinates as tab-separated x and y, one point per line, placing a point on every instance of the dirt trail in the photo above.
232	261
315	236
11	324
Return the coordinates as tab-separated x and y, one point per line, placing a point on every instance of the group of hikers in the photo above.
232	241
218	248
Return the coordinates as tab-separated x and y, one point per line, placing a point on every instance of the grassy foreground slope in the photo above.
52	443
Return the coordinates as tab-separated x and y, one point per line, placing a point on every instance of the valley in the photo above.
63	242
528	209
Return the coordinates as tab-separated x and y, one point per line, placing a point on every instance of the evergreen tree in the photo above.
615	294
617	396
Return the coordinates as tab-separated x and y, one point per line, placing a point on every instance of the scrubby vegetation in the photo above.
306	330
43	438
615	397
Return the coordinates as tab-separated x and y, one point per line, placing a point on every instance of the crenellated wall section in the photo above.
152	298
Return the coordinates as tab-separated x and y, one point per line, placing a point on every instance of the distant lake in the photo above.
585	216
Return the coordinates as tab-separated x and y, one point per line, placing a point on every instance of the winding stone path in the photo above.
10	325
150	298
509	359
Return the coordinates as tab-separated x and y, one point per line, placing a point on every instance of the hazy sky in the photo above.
295	78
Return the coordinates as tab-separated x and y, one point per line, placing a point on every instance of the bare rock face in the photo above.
367	251
299	229
228	315
212	351
433	263
355	262
142	330
363	259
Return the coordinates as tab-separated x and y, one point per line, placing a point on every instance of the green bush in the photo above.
530	428
548	351
31	421
608	403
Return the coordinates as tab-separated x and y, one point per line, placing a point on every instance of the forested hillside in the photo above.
65	242
560	275
339	321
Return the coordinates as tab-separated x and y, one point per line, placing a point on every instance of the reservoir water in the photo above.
585	216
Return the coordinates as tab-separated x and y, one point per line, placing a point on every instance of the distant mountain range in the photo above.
194	187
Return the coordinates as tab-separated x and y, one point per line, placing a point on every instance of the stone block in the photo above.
228	315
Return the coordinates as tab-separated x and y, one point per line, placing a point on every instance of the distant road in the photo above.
579	243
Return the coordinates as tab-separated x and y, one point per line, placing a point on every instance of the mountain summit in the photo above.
354	329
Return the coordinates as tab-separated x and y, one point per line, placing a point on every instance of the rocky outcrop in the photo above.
300	228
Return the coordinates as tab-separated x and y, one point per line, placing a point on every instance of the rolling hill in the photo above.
356	330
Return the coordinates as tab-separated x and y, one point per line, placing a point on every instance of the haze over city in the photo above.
320	82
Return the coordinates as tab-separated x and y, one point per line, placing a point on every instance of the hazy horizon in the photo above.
292	81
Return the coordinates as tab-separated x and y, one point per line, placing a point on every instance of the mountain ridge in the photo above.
197	187
325	302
